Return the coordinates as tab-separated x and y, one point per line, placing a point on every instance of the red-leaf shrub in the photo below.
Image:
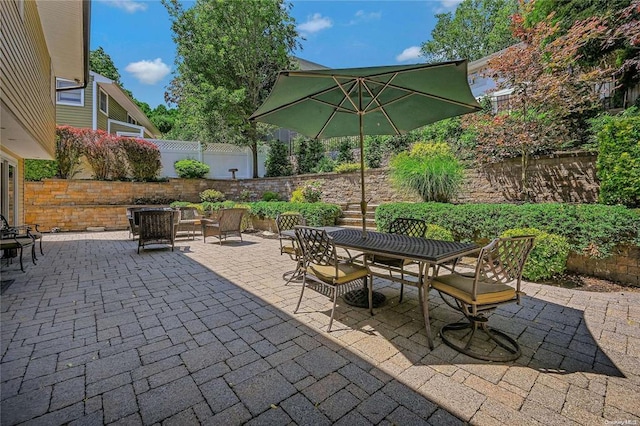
143	156
100	149
69	149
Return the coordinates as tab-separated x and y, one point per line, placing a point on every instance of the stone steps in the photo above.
352	217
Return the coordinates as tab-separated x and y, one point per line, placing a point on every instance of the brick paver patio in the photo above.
96	333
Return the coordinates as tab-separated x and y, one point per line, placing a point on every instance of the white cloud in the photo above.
362	16
130	6
447	6
148	72
314	24
409	54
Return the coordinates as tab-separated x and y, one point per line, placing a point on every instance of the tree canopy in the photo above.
228	56
478	28
101	62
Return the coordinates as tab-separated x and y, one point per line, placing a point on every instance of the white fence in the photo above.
220	157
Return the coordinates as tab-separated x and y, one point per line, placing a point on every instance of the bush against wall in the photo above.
102	152
591	229
191	169
143	158
69	149
36	170
548	256
277	162
310	153
430	170
618	165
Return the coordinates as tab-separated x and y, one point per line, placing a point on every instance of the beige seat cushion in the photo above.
460	287
346	272
291	250
390	261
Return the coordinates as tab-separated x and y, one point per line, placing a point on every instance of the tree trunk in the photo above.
253	144
524	184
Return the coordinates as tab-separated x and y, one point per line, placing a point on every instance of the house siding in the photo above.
77	116
116	111
102	120
116	127
26	81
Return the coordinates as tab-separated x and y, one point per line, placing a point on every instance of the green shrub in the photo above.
310	153
548	256
278	163
436	232
345	153
270	196
69	149
325	165
430	170
347	168
315	214
618	164
591	229
312	191
212	196
297	196
36	170
373	151
191	169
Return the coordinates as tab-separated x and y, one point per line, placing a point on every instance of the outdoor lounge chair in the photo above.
322	266
13	244
499	263
288	245
133	217
31	230
404	226
157	226
189	220
228	223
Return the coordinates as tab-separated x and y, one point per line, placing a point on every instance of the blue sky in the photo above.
337	33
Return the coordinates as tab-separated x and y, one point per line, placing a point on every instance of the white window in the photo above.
69	97
131	120
103	103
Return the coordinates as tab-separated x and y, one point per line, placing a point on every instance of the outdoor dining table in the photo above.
426	252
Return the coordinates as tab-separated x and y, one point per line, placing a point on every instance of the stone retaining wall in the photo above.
75	205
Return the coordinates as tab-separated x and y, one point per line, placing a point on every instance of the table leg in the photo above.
423	295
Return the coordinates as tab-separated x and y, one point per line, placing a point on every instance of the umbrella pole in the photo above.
363	200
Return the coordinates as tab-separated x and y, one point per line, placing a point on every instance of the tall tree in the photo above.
550	89
228	55
101	62
477	29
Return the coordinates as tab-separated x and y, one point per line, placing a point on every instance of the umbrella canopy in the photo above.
388	100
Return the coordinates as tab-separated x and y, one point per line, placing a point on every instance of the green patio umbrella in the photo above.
387	100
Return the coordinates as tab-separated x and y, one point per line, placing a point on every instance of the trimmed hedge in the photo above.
590	229
548	256
315	214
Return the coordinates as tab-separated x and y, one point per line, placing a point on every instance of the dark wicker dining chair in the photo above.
157	227
321	265
404	226
499	264
288	245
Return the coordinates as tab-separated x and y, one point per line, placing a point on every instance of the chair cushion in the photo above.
291	250
390	261
346	272
460	287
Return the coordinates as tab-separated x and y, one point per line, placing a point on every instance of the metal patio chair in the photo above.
404	226
288	245
322	265
499	263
